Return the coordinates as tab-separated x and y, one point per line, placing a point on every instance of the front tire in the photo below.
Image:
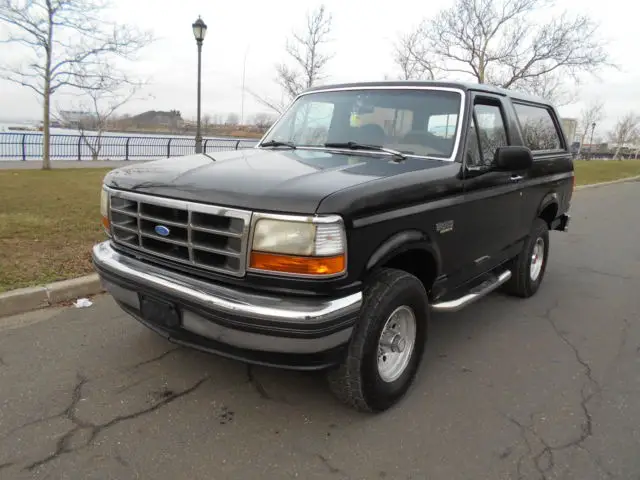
387	343
528	268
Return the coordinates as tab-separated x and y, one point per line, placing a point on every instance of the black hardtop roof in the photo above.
465	86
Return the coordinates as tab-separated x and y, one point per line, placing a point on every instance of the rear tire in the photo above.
528	268
386	345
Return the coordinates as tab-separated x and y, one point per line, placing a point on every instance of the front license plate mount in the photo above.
159	312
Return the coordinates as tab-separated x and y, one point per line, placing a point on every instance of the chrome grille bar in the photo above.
205	236
190	240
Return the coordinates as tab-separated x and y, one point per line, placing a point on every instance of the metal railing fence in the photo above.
28	146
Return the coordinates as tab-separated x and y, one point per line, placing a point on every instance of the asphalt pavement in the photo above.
544	388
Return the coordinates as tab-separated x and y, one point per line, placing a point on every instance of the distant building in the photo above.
73	118
153	118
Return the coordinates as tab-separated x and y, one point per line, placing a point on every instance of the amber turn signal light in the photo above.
105	223
297	265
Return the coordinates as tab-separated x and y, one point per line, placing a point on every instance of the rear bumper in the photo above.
289	332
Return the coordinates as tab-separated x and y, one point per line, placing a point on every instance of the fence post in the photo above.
204	149
79	149
237	144
24	147
169	148
126	149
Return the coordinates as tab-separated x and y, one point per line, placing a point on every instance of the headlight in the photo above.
104	209
299	245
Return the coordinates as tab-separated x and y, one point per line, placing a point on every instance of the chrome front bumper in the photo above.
230	321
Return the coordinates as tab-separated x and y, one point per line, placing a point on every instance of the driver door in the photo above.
493	198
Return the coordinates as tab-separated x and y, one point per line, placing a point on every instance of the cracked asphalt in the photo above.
546	388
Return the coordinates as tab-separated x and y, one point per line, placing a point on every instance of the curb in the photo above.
24	300
612	182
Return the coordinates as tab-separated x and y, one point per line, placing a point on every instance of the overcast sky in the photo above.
362	41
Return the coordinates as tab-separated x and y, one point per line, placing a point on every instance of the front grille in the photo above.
205	236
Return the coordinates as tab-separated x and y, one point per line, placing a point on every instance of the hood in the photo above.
276	180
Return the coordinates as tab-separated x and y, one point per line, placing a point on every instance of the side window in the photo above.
491	130
473	149
538	130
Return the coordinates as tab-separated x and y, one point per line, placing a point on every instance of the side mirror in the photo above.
512	158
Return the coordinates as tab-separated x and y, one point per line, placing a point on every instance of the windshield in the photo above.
414	122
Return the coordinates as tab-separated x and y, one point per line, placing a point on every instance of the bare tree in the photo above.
277	106
627	130
592	113
306	52
308	61
70	46
414	62
552	87
104	94
501	42
263	120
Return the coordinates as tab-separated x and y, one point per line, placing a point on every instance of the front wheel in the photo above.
387	343
528	268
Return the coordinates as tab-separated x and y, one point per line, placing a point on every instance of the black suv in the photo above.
365	207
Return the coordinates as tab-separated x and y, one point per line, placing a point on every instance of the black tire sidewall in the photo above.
539	230
378	393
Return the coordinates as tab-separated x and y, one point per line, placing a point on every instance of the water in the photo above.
5	128
66	144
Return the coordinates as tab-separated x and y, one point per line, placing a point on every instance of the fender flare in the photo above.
402	242
549	199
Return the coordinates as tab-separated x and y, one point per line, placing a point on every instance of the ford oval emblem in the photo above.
162	230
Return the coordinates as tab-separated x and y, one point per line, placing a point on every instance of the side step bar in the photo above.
474	294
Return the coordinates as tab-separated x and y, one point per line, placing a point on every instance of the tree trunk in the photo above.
46	160
46	130
98	145
615	155
481	69
582	139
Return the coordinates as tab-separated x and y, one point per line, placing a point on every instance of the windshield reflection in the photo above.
416	122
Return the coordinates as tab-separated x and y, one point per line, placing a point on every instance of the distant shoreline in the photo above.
22	144
207	132
223	131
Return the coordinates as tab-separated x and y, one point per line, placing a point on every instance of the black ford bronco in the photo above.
327	246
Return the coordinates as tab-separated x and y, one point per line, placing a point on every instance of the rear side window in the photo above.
538	130
442	125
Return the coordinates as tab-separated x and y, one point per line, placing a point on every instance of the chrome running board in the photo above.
474	294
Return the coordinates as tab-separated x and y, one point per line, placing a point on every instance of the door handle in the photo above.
516	178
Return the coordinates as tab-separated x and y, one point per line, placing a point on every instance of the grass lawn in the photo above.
596	171
50	220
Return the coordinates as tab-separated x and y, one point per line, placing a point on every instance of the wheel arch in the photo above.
548	209
400	251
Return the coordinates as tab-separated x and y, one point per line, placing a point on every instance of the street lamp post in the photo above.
593	127
244	70
199	32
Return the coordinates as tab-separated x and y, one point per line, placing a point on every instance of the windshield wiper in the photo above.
276	143
364	146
